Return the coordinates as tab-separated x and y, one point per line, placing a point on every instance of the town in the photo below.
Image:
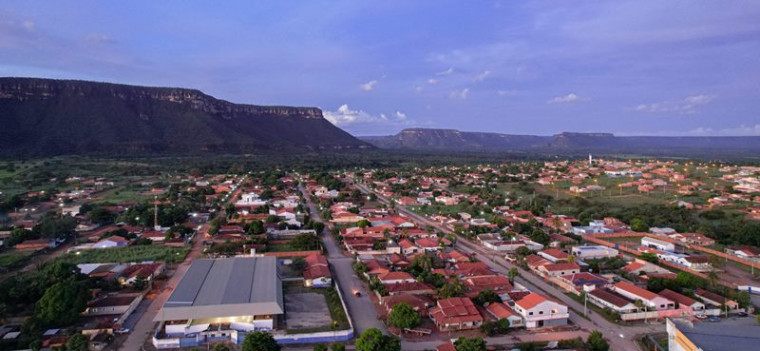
578	254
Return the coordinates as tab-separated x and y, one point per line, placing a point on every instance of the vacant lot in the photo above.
306	311
128	254
14	258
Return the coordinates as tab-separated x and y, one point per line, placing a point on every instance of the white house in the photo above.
111	241
538	311
650	299
658	244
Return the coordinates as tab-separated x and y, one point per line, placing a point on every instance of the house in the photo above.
111	242
657	244
745	252
535	261
396	277
37	244
118	306
539	311
682	300
499	310
639	265
559	269
429	245
497	283
582	281
650	299
447	346
317	273
145	271
593	251
456	313
715	299
419	303
413	288
609	299
407	247
453	256
697	262
554	255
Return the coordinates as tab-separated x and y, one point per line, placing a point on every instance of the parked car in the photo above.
713	319
700	316
742	314
357	293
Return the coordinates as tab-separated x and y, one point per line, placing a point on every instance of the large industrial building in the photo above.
221	300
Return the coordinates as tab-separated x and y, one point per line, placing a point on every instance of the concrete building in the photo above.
728	335
592	252
221	300
658	244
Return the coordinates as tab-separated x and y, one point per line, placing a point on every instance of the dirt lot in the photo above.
306	310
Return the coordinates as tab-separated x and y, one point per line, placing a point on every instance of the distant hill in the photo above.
453	140
42	117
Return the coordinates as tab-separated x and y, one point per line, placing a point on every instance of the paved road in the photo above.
144	327
621	337
361	309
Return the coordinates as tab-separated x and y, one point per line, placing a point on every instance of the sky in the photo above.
376	67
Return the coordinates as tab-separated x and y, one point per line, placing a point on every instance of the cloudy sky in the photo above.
376	67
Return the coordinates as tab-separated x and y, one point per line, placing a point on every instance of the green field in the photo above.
14	258
128	254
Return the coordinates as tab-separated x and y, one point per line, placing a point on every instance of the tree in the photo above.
743	299
452	288
77	342
470	344
512	274
305	242
373	340
299	264
259	341
338	347
486	297
639	225
61	303
363	223
597	342
320	347
403	316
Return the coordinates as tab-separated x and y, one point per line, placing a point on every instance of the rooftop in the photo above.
226	287
728	335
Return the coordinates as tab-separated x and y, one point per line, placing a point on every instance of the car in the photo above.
122	331
700	316
358	293
742	314
713	319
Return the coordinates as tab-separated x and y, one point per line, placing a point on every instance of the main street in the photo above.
144	327
360	308
620	337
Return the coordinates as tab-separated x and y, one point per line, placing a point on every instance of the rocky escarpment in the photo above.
49	117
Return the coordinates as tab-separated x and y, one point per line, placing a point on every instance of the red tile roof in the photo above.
395	276
530	301
674	296
500	310
455	310
633	289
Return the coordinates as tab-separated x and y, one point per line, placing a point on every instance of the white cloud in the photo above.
481	77
368	86
460	94
686	105
446	72
400	115
28	25
344	115
572	97
99	38
510	92
742	130
432	81
418	89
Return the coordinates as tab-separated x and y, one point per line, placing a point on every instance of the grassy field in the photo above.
128	254
14	258
280	248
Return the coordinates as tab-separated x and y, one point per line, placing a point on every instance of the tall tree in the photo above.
61	303
470	344
77	342
403	316
259	341
597	342
373	340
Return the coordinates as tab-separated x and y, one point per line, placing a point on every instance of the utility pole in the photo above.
155	213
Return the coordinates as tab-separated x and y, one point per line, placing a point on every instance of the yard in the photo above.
14	258
128	254
305	308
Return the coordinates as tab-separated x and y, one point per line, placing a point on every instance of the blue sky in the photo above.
376	67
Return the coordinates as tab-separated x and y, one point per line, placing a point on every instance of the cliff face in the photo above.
48	117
